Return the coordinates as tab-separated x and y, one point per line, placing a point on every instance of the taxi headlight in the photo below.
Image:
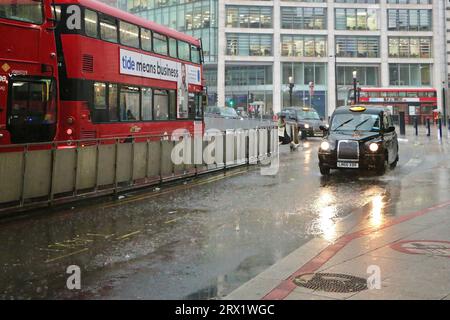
325	146
374	147
306	126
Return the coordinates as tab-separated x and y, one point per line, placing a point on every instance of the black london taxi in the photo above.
359	137
308	120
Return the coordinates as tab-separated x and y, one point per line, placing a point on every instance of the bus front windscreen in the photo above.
22	10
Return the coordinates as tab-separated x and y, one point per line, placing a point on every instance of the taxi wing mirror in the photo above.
323	128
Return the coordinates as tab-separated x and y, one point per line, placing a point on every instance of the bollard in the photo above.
448	121
401	121
440	128
416	126
428	127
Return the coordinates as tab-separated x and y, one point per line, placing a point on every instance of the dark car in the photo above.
222	112
308	120
359	137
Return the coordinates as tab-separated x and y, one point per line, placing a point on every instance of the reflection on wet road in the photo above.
202	239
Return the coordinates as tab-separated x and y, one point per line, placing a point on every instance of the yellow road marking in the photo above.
184	187
67	255
128	235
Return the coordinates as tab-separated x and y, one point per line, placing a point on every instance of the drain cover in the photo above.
331	282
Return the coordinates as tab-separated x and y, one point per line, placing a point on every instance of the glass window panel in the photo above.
159	43
394	47
414	47
184	50
112	102
146	40
173	52
404	75
129	103
129	34
147	104
108	29
161	105
90	23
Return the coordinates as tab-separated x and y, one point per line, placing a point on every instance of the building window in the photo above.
304	73
303	46
410	47
409	1
249	44
367	76
357	47
410	74
356	19
248	17
248	75
303	18
357	1
409	20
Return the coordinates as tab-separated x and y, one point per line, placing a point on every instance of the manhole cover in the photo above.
331	282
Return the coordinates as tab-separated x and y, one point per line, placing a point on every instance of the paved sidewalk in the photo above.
407	255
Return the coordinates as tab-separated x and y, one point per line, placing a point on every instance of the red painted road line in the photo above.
287	286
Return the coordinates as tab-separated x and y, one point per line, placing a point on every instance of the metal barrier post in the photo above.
416	126
401	120
428	127
440	128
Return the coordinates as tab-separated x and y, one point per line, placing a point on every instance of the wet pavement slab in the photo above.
206	237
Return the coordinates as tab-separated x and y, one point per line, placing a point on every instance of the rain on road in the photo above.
203	238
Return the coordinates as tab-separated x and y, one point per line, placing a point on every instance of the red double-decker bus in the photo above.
79	69
415	102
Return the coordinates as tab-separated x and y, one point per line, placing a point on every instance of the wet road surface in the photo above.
204	238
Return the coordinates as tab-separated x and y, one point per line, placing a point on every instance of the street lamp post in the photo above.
444	105
335	81
355	74
291	87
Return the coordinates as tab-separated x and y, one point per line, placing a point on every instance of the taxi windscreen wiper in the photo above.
342	124
361	123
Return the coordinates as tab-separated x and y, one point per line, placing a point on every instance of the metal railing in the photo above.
48	173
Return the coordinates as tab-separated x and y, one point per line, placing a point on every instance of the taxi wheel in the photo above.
394	164
325	171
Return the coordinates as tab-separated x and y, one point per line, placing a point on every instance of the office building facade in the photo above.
253	47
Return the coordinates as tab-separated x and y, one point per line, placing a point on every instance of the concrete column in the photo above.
276	78
439	49
384	44
331	47
221	50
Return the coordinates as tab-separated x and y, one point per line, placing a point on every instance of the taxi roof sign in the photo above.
358	109
305	109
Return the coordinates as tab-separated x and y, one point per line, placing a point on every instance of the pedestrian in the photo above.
283	136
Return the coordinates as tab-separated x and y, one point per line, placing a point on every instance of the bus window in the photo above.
173	52
146	39
195	54
172	104
25	10
411	94
90	23
184	51
161	105
147	106
108	29
112	102
159	43
129	34
99	114
129	103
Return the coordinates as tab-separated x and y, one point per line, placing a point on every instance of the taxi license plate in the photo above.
347	164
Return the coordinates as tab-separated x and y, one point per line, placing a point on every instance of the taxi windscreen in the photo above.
352	122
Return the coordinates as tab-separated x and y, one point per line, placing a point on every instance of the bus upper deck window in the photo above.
108	29
90	23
